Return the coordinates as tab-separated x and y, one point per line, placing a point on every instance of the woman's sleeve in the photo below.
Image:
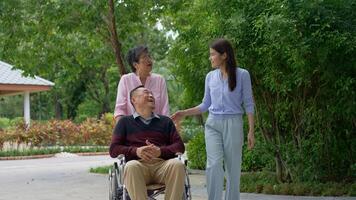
121	98
204	106
247	95
164	98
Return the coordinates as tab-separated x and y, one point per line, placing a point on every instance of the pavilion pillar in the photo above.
26	108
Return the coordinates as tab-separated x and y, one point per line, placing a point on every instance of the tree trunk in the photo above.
58	107
279	167
283	173
105	106
115	43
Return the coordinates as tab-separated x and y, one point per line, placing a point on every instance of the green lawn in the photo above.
52	150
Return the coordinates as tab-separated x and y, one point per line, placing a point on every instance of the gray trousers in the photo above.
224	140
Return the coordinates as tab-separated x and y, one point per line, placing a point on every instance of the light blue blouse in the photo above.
218	98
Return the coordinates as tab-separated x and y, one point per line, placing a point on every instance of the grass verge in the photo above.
52	150
100	170
266	182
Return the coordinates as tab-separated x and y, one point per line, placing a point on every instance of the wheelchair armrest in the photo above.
121	158
181	158
179	155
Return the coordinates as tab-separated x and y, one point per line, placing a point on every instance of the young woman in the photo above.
228	94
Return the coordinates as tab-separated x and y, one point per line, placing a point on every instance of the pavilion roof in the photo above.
12	81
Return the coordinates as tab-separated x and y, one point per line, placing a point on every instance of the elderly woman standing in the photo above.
141	64
228	95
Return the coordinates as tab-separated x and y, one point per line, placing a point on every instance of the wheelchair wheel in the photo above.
187	195
113	185
116	188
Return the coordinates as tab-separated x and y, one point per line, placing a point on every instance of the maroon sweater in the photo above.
130	133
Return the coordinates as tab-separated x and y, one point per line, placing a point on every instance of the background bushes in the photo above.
63	133
196	151
300	55
4	123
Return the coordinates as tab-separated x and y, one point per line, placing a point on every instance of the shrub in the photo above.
189	131
259	188
4	123
265	182
65	132
53	132
196	151
285	189
305	103
108	118
258	158
12	136
268	189
331	189
300	189
316	189
2	138
352	190
16	121
96	132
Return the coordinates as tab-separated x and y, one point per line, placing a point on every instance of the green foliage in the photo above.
84	149
196	152
66	133
29	152
189	130
266	182
52	150
108	118
256	180
300	55
11	106
97	132
257	159
4	123
17	121
352	192
100	170
68	43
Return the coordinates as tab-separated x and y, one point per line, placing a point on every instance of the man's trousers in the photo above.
138	174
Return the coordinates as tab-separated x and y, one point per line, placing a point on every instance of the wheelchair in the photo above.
117	189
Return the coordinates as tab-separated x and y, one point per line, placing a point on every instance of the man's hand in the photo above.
143	153
148	152
154	150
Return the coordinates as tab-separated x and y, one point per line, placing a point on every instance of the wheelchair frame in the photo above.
117	188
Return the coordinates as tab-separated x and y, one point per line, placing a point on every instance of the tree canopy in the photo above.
301	58
68	42
300	54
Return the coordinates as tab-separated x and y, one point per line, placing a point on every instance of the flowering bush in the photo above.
61	132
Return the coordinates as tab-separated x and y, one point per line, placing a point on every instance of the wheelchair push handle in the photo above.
121	158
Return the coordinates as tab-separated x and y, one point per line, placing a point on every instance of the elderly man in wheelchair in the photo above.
149	143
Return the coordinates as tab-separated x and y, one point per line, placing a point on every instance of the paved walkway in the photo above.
68	178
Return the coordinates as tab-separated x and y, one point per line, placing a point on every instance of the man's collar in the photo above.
154	115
